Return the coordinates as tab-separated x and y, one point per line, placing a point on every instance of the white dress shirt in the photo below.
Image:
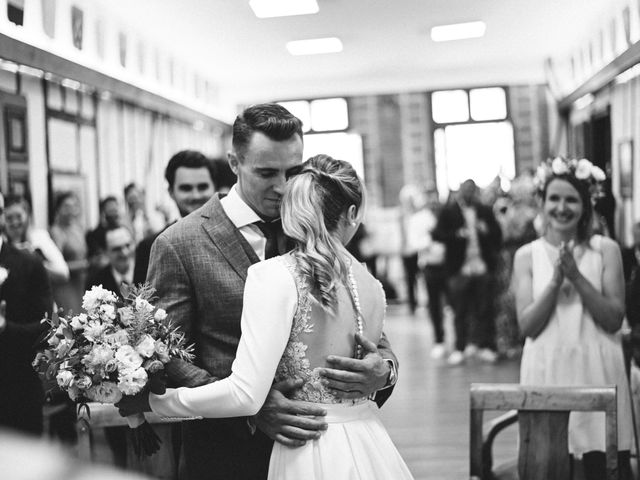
244	219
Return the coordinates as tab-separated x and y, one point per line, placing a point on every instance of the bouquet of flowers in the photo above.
115	348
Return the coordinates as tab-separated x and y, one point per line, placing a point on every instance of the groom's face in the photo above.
262	171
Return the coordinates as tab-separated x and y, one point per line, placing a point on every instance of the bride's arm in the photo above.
270	299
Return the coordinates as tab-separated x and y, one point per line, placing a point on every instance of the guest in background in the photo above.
190	178
630	264
413	237
117	275
517	223
142	223
110	217
631	255
431	260
22	235
472	238
25	298
569	291
68	235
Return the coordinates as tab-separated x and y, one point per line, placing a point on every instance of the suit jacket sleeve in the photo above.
169	277
270	300
384	348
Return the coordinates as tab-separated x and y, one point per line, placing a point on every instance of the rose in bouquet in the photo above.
114	348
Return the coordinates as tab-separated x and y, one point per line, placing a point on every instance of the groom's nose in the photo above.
279	183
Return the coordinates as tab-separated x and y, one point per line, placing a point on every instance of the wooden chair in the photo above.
106	415
543	417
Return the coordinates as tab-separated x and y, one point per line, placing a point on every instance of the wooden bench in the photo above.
543	418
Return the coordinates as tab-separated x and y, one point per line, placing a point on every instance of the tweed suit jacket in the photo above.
199	267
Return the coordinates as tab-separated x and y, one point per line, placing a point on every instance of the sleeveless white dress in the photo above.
573	350
277	342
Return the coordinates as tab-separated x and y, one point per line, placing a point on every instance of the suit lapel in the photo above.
224	234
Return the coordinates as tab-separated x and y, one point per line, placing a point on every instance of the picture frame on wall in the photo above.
625	156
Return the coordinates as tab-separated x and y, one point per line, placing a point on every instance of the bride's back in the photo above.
317	333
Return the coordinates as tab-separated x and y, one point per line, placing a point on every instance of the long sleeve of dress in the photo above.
270	300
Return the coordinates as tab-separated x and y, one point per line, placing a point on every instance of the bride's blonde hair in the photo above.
314	201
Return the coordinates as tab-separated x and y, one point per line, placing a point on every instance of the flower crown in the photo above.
583	170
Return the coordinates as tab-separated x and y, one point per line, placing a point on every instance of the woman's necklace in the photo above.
355	299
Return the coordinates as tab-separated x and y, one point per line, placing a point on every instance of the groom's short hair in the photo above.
271	119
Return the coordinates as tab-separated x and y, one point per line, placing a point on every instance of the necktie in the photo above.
270	231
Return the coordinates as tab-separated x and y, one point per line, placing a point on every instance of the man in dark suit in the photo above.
190	178
631	256
118	273
199	267
472	238
110	217
25	298
116	276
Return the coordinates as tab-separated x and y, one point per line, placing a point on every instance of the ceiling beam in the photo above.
603	77
29	55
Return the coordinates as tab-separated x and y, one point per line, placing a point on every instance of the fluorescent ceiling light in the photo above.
315	46
458	31
283	8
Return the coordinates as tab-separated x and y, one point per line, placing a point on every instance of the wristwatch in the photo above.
393	373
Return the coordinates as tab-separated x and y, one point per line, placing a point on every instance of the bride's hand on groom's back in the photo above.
289	422
352	378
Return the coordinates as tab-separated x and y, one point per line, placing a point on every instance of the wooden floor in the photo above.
428	414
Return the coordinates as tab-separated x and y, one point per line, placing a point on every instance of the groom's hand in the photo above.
353	378
289	422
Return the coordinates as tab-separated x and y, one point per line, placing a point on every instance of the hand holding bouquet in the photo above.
113	349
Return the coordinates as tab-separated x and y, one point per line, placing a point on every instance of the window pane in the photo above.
450	106
300	109
480	151
329	114
342	145
488	104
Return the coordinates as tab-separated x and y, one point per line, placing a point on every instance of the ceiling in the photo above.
386	43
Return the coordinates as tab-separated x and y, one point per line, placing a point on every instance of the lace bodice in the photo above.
285	335
294	362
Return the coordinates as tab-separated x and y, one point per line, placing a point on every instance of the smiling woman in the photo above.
570	302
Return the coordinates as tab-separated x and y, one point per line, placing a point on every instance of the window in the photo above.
322	115
473	137
450	106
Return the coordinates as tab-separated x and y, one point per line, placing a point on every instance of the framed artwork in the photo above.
16	129
625	156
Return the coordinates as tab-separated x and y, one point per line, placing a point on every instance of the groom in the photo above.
199	268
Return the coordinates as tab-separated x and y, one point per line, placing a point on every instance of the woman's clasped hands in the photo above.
565	266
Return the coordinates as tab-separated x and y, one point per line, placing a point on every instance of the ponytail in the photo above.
312	206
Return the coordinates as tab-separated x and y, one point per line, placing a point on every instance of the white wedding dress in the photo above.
286	334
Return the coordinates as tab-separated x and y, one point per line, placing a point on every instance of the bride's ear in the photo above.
352	214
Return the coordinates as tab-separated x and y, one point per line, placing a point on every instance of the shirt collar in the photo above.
237	209
127	277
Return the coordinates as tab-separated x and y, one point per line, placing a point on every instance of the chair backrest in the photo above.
543	416
106	415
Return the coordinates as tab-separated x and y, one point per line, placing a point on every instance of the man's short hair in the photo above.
129	187
271	119
187	159
114	228
105	200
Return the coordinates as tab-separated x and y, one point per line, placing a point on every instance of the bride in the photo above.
300	308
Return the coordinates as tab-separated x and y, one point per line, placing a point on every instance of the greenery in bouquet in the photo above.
114	348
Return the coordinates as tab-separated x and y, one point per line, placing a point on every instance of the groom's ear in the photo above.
233	160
